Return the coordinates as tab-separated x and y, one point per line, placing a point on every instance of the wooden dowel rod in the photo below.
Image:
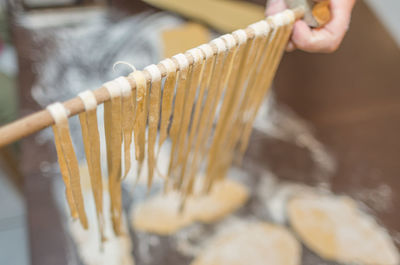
37	121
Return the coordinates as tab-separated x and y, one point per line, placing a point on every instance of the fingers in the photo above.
328	38
275	6
318	40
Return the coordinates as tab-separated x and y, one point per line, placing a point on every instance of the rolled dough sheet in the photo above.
253	243
161	215
334	228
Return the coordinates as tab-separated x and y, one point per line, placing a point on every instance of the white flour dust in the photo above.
280	122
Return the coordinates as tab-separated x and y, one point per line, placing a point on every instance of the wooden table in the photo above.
351	98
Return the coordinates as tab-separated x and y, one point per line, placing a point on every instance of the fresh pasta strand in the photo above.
272	54
210	58
283	21
225	111
205	115
91	144
203	86
237	86
128	119
187	113
245	85
244	121
246	82
219	85
113	132
154	115
141	118
167	100
182	62
166	108
68	162
197	122
65	174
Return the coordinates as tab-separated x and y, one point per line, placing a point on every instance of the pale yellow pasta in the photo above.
188	108
91	141
180	97
167	99
154	115
140	117
204	82
68	162
113	132
265	80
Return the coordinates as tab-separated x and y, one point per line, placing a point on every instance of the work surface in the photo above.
351	99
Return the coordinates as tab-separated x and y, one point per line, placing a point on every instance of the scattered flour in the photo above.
116	250
282	123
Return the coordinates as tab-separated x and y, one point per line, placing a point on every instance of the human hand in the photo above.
325	39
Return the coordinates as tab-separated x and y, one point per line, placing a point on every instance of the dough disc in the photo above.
253	243
161	215
336	229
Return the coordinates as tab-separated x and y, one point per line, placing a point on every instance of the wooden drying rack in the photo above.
37	121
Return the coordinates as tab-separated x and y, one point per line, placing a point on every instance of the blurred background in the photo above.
51	50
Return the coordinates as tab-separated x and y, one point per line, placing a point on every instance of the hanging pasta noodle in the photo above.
187	113
113	131
236	92
246	67
183	65
68	163
141	117
154	115
207	54
91	143
127	121
284	22
167	99
224	111
256	92
218	84
246	80
196	150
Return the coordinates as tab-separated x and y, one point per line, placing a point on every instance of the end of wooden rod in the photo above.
314	14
